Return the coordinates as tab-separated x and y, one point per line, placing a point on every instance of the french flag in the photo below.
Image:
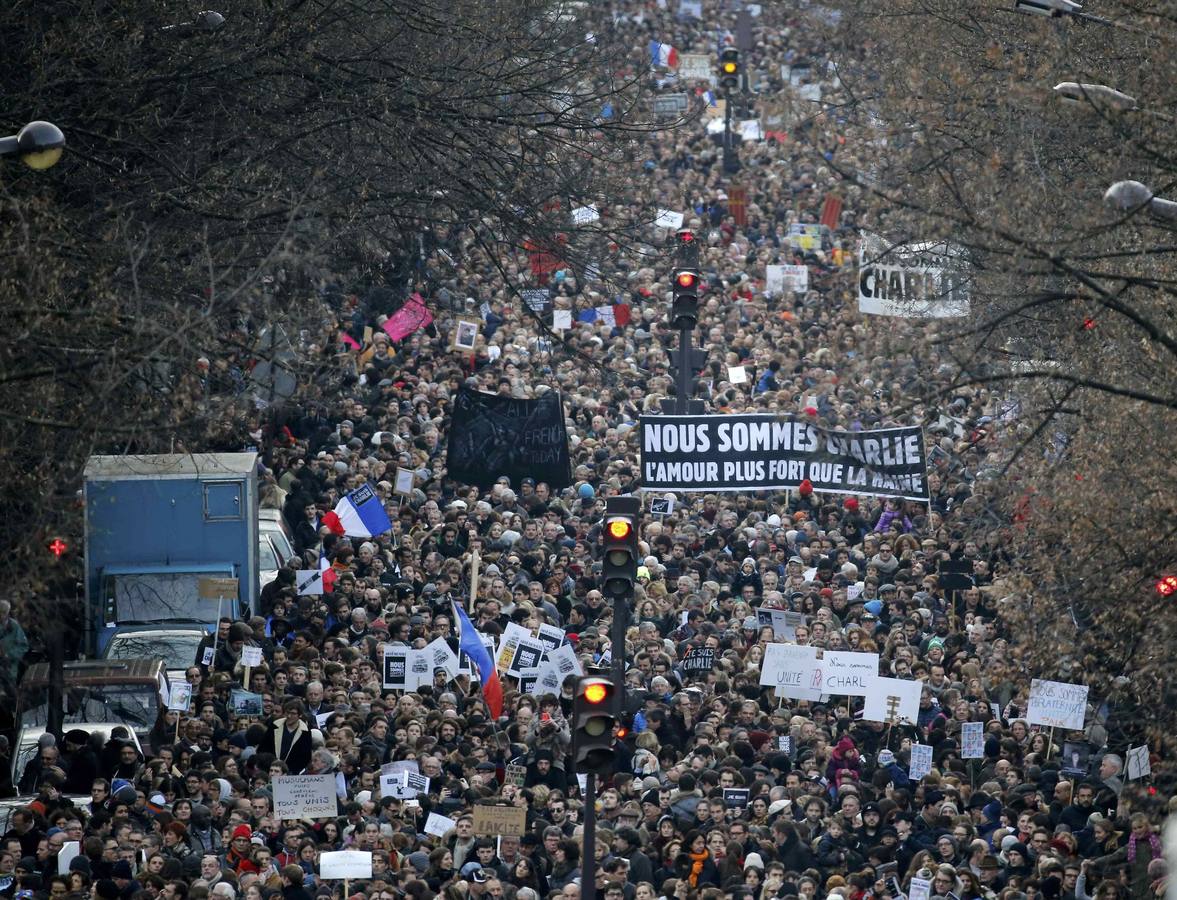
663	55
709	98
328	573
492	688
359	514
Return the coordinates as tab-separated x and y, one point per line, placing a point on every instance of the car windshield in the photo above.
136	705
178	651
266	557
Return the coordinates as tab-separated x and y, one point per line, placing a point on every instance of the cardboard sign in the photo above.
529	653
736	798
585	215
784	622
550	636
396	668
349	864
251	656
217	588
69	850
669	219
309	582
181	696
699	660
847	673
792	671
1057	704
496	820
921	761
920	889
892	700
564	662
1138	763
972	740
305	796
439	825
440	655
405	479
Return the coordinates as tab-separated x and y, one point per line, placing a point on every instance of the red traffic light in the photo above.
619	529
58	547
596	693
1167	586
686	279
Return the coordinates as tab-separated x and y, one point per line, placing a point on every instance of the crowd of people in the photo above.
831	812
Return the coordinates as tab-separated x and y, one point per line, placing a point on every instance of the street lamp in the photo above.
1127	196
1095	94
38	144
209	20
1056	9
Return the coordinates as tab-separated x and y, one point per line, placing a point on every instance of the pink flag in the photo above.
411	317
349	340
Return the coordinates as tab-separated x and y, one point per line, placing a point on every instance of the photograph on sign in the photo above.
243	703
465	335
972	740
180	698
921	761
1076	757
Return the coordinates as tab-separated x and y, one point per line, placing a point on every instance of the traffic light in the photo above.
729	68
1167	586
619	567
594	721
686	249
684	311
58	548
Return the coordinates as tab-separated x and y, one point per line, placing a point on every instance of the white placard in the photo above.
972	740
309	581
349	864
792	670
508	641
737	374
1138	763
439	825
1057	704
251	656
181	696
561	319
404	481
529	653
305	796
920	889
69	850
696	67
880	696
420	670
441	656
403	785
668	218
921	761
848	674
606	315
564	662
551	636
750	130
584	215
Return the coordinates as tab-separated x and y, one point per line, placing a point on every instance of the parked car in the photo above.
26	745
274	546
175	646
127	692
10	805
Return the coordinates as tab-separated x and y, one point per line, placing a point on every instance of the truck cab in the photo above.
158	529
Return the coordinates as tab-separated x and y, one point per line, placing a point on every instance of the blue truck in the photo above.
161	534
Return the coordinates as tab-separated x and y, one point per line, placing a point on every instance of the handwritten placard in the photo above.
305	796
1057	704
508	820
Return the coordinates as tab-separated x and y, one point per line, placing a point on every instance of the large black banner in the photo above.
492	436
759	452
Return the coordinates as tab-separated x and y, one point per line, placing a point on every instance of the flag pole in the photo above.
472	599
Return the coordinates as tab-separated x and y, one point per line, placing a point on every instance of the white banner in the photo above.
922	280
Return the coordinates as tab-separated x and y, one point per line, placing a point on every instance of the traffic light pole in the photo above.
731	164
682	398
588	861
